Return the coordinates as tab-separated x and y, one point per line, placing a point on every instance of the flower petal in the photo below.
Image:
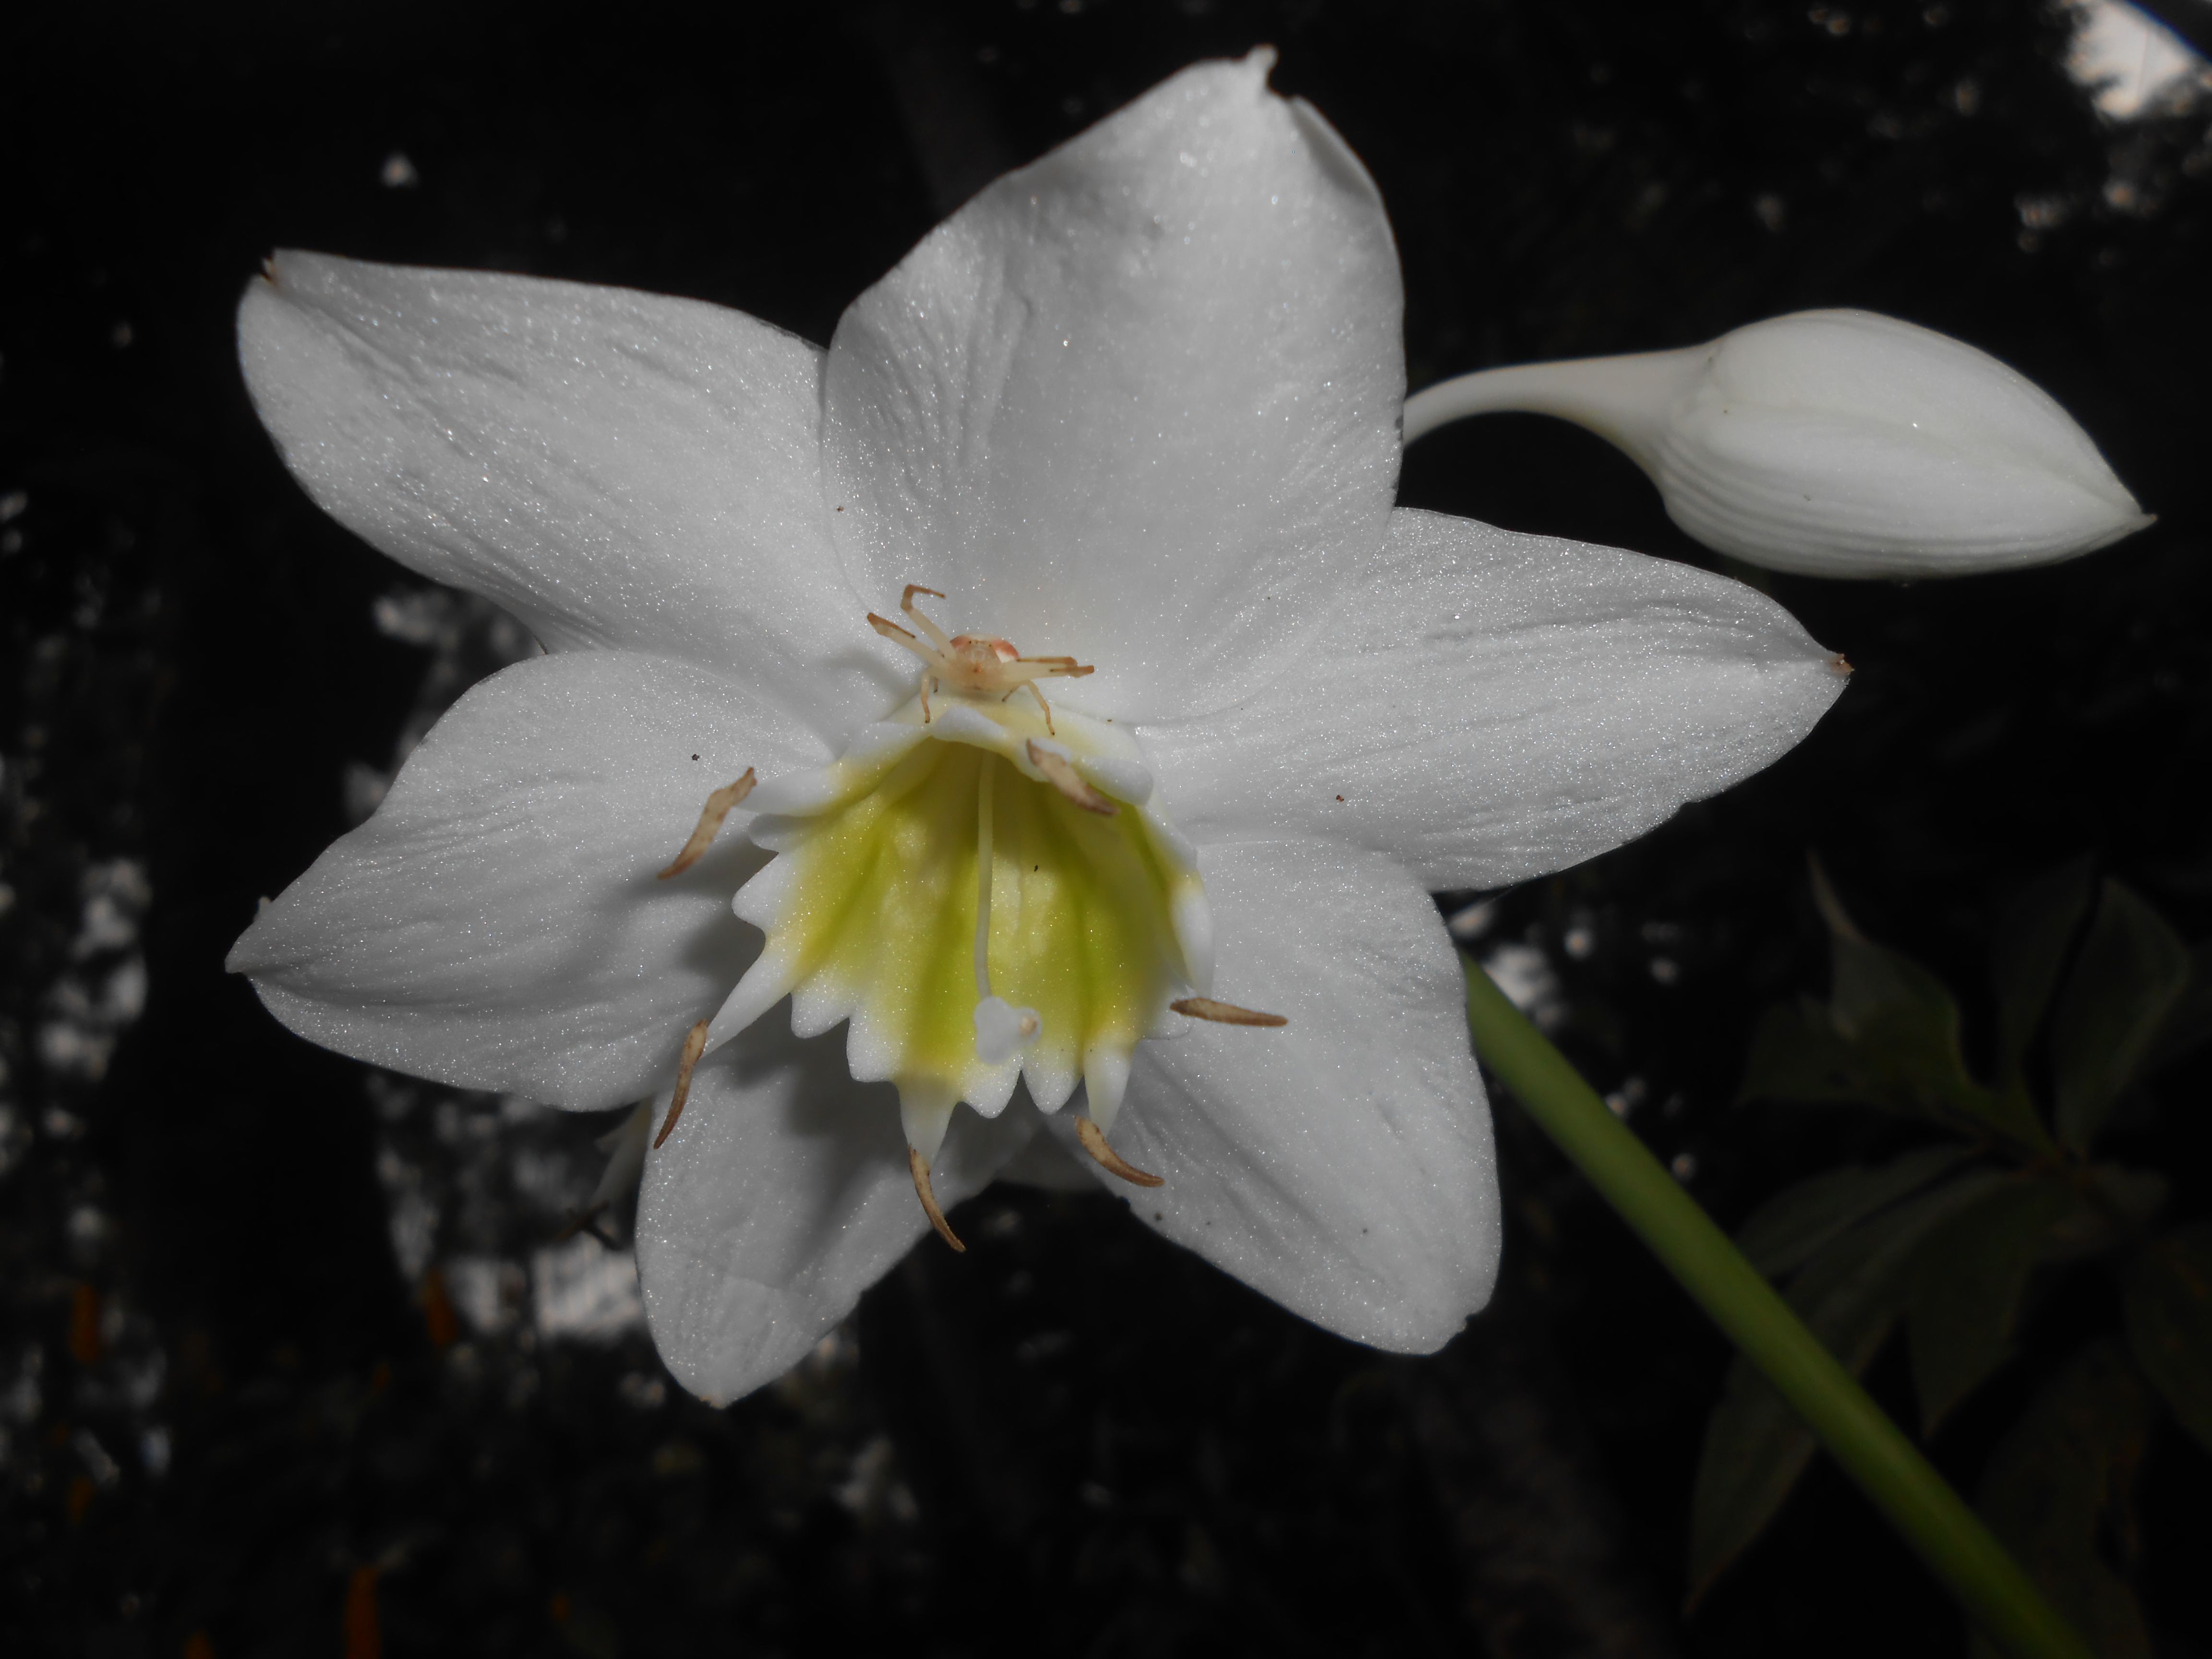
1492	705
1341	1165
784	1193
1137	402
616	468
497	924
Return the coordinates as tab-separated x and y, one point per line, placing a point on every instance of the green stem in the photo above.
1888	1468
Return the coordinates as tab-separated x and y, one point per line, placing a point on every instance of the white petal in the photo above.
1341	1165
616	468
1492	705
784	1193
497	924
1137	402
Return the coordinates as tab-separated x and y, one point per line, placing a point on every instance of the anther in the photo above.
1224	1013
1095	1143
695	1044
922	1190
719	806
1064	778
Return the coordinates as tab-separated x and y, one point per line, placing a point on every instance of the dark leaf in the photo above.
1872	983
2033	938
1783	1233
2189	1022
2126	1202
1967	1278
2169	1313
2060	1478
1796	1057
1895	1036
2130	972
1850	1295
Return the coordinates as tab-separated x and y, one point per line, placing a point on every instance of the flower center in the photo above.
982	890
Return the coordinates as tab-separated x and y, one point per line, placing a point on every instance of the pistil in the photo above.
1001	1029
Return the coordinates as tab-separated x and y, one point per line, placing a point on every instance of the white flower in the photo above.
1134	406
1833	443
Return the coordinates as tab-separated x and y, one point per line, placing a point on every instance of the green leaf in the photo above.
2169	1316
2029	952
1895	1027
1783	1233
2131	970
1850	1295
1873	985
2060	1477
1967	1278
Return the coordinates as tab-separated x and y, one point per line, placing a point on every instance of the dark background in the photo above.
234	1423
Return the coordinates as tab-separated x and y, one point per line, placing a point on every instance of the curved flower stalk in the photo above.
1832	443
1157	871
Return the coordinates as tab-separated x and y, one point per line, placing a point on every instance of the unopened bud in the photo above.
1833	443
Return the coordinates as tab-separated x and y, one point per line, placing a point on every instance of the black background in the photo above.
1074	1438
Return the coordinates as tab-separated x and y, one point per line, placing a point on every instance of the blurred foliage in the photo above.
1947	1241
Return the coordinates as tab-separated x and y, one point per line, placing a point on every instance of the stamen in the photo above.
1095	1143
695	1044
1224	1013
1064	778
719	807
920	1166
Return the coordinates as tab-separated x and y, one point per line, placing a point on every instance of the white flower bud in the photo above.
1833	443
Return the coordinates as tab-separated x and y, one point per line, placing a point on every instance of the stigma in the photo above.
984	891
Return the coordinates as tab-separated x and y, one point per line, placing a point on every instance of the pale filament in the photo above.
1000	1029
985	870
971	662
